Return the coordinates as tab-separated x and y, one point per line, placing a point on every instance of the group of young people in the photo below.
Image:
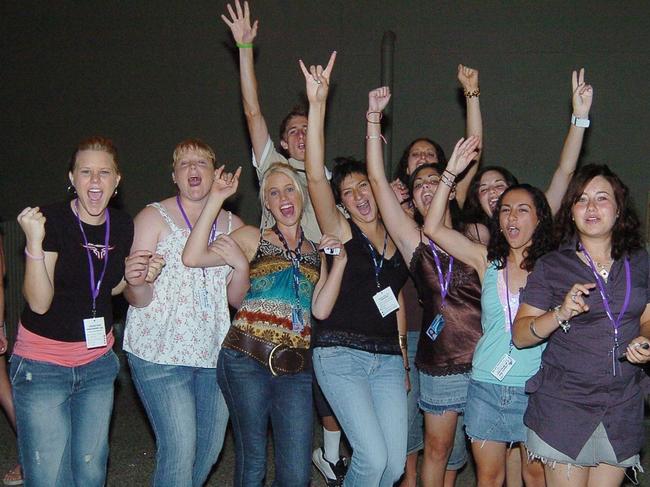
453	302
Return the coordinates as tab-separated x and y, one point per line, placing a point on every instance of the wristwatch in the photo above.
580	122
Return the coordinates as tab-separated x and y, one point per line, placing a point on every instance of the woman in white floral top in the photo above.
175	326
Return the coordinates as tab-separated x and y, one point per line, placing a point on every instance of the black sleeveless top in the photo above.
355	321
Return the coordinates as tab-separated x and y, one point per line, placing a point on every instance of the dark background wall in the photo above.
149	73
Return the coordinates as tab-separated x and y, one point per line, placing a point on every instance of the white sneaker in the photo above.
332	473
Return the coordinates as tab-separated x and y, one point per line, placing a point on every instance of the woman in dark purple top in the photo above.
590	300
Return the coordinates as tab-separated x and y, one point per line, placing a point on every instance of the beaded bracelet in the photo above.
447	181
370	137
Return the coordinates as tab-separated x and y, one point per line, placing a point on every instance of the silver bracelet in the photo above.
532	329
564	324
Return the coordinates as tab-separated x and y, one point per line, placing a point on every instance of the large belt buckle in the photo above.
273	372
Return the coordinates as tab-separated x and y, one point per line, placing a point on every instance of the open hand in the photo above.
464	153
240	23
226	248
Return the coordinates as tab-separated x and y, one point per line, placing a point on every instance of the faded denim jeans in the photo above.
63	415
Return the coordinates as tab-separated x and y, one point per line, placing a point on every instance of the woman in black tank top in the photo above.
358	359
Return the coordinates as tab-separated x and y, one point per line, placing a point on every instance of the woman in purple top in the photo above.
586	403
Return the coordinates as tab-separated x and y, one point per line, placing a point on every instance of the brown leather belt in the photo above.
278	359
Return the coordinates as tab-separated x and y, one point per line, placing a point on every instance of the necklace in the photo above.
602	270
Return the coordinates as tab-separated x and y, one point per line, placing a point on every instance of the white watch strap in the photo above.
580	122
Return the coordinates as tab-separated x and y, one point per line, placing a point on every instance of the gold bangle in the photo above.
473	94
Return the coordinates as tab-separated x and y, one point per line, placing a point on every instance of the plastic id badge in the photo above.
204	299
436	327
95	332
386	301
504	365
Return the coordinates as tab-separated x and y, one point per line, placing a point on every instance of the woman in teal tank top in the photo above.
520	233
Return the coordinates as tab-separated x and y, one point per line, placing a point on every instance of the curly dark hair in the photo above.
403	164
343	167
626	235
454	209
542	240
472	210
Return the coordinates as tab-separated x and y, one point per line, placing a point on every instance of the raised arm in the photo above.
452	241
402	228
244	34
468	78
38	286
197	252
330	219
581	102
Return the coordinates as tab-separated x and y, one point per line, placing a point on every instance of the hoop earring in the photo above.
72	190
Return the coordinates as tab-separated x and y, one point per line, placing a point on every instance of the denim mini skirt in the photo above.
495	412
442	393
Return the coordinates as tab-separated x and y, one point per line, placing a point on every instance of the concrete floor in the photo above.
133	450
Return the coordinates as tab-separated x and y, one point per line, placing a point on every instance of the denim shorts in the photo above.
598	449
442	393
495	412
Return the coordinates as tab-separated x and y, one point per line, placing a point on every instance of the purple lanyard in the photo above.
213	232
509	310
444	280
616	323
373	254
95	286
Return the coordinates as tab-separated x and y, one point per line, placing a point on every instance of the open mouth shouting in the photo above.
287	210
194	181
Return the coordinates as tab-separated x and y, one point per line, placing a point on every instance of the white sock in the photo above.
331	443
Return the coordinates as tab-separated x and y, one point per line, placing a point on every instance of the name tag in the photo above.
95	332
436	327
386	301
204	299
504	365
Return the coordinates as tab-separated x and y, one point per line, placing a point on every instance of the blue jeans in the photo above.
63	415
254	396
415	441
188	415
368	396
